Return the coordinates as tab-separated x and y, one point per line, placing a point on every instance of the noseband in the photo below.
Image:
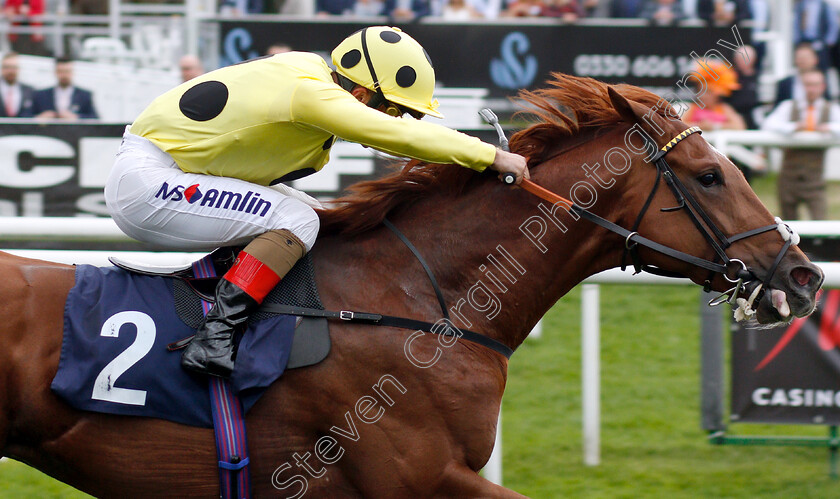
732	269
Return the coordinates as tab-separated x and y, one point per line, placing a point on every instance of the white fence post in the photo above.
493	469
536	333
591	373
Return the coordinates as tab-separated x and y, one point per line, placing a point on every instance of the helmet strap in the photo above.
379	98
369	62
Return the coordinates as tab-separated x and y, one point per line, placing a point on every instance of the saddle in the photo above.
311	343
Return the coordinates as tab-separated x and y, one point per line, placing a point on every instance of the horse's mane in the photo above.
570	106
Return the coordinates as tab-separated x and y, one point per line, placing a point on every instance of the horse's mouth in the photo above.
775	306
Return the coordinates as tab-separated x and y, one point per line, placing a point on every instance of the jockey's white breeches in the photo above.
154	201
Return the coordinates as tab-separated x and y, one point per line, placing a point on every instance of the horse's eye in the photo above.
709	179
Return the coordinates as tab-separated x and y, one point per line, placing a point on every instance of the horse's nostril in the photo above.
803	275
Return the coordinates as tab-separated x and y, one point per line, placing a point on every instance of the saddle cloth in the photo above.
114	359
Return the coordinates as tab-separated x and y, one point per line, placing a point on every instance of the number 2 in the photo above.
103	387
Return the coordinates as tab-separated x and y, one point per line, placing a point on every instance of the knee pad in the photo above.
279	250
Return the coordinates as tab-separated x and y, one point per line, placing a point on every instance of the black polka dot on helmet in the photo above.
351	58
390	36
406	76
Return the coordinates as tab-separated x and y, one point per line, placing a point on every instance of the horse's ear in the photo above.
623	106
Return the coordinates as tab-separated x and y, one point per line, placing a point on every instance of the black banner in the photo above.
789	374
55	169
507	57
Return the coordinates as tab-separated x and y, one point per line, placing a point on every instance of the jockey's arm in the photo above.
329	108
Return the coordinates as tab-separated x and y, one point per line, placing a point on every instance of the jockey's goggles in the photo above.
417	115
392	109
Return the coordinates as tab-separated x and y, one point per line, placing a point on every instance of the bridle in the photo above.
732	269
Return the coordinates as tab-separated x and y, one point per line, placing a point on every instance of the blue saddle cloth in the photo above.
114	358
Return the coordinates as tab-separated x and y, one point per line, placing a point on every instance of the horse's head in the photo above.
677	204
703	206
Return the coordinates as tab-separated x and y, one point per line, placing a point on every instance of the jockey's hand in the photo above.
508	162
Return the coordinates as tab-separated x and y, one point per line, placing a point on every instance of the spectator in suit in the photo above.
64	101
815	21
16	98
805	59
801	179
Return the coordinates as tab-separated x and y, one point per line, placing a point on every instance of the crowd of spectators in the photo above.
816	19
64	101
659	12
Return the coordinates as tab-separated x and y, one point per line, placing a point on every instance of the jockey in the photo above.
195	168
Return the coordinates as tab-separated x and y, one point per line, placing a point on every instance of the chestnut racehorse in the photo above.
391	412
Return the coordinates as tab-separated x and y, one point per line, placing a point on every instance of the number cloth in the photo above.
114	358
261	120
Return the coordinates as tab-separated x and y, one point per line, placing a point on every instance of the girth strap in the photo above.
228	421
389	321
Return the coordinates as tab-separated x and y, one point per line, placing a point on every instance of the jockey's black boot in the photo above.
211	350
257	269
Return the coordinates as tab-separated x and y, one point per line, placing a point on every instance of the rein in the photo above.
732	269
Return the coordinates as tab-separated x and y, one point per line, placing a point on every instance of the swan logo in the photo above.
515	68
237	47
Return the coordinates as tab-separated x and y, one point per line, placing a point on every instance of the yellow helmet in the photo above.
386	60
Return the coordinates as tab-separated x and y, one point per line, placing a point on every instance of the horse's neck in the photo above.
496	279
